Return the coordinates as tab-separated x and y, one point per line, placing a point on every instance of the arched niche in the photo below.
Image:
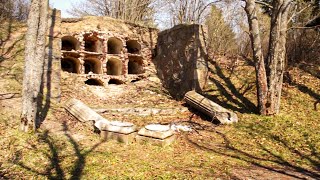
135	65
133	47
70	64
92	65
115	81
94	82
92	43
115	46
114	67
69	43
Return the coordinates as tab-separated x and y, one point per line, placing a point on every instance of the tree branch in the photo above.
313	27
295	14
264	4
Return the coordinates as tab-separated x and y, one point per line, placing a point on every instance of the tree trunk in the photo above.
34	60
277	54
261	81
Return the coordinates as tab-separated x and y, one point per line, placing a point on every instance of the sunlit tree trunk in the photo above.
277	54
34	61
261	81
269	73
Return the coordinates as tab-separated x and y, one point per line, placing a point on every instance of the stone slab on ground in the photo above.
154	141
155	134
81	111
123	138
210	108
143	111
119	129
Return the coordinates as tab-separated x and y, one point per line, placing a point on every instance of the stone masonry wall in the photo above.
181	60
105	49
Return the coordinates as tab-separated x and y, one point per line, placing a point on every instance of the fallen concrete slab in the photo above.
211	109
81	111
156	134
119	137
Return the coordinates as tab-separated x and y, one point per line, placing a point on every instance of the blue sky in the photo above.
62	5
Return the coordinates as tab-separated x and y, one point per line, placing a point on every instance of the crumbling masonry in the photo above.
104	51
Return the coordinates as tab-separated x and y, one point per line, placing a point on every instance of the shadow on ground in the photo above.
303	88
272	159
54	169
234	97
312	69
6	49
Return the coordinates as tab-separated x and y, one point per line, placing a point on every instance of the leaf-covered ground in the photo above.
277	147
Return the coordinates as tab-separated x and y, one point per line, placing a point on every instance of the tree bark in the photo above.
261	78
276	54
34	60
269	78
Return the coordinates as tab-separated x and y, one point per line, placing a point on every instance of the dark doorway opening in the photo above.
115	46
92	44
71	65
135	65
133	47
114	67
94	82
115	81
69	43
92	65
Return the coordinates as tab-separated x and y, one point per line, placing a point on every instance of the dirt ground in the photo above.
147	94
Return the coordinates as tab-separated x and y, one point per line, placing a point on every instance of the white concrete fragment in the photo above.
178	127
116	126
157	127
101	124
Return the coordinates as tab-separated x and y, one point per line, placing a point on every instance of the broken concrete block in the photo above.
155	134
124	132
101	124
158	142
120	137
81	111
119	127
208	107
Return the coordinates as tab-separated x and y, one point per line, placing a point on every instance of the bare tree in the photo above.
303	37
187	11
128	10
269	71
221	38
34	61
14	9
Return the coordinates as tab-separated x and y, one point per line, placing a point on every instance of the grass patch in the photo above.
287	145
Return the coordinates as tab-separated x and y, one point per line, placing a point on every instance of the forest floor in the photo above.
286	146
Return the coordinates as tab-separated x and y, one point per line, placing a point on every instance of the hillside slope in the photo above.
258	147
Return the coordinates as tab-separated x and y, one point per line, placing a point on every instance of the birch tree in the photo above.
34	61
269	70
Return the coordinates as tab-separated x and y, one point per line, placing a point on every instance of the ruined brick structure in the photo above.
105	50
182	59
